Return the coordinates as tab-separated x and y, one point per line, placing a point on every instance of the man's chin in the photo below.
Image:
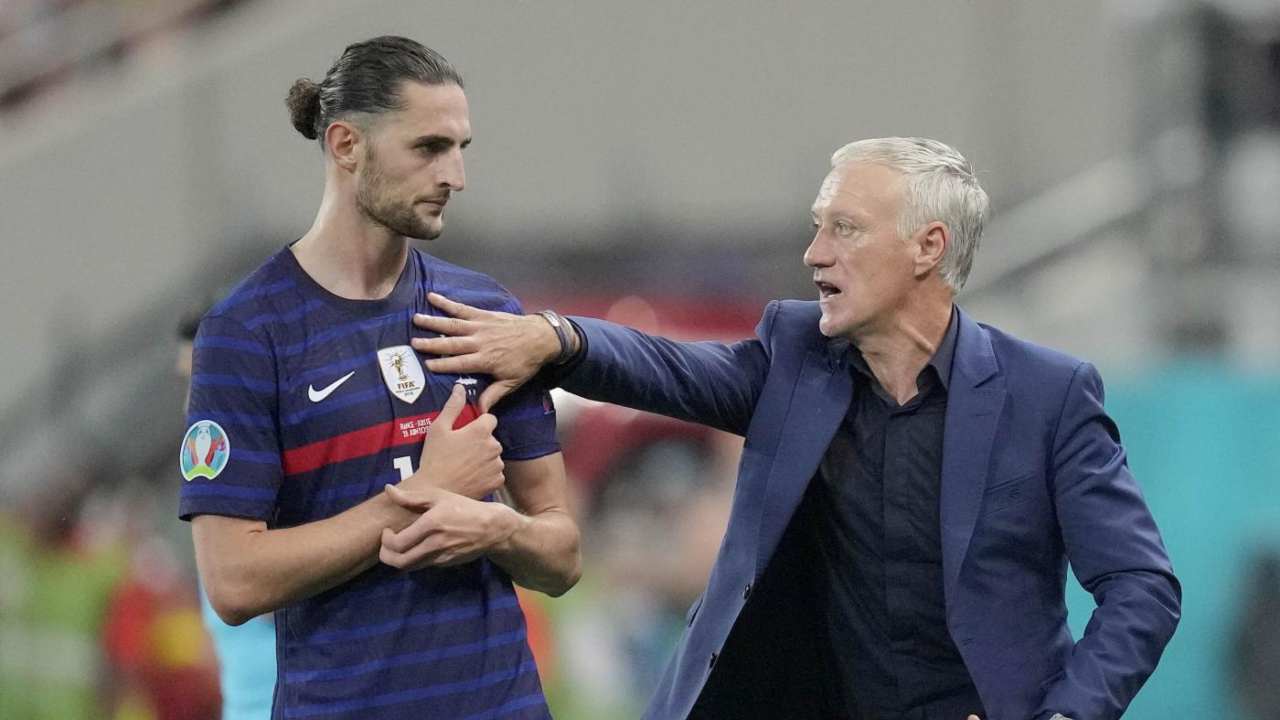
430	227
827	326
427	231
831	327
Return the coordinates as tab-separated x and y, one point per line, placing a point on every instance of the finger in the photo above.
456	309
459	365
410	558
484	424
452	408
412	499
417	532
442	325
444	346
495	392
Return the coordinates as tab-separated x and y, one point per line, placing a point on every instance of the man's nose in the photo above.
454	174
817	255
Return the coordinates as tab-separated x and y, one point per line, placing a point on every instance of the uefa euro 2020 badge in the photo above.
205	450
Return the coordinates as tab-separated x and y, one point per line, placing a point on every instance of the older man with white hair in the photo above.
913	483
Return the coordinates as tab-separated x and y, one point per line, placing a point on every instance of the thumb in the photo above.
409	499
453	407
494	393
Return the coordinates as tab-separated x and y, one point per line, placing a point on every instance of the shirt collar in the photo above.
942	357
940	362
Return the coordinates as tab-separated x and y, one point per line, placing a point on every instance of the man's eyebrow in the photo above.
438	140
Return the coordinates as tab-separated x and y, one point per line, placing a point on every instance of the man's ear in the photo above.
931	243
343	140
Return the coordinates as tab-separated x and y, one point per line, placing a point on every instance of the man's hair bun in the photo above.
304	107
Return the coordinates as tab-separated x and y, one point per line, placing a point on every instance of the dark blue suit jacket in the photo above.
1033	475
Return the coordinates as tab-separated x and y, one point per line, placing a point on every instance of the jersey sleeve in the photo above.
230	454
526	417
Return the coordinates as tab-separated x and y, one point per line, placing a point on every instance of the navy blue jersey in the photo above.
304	404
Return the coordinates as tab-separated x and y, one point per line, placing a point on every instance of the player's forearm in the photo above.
251	572
542	553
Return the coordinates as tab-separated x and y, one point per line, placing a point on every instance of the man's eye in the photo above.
843	228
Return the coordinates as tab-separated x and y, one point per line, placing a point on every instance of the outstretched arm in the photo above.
705	382
709	383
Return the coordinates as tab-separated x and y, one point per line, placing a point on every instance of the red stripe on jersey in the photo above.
366	441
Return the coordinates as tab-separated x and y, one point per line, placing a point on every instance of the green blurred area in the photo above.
1204	443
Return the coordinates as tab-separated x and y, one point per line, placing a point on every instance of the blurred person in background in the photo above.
652	521
56	583
1255	647
308	408
163	664
246	654
658	525
873	569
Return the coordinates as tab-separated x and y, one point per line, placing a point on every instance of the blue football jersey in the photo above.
304	404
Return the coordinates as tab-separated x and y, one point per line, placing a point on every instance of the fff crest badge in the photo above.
402	372
205	451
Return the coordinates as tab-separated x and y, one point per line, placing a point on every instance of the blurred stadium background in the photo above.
653	162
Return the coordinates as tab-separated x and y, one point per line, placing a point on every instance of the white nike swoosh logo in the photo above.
318	395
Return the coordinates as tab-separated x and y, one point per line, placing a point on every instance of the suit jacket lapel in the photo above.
818	403
975	402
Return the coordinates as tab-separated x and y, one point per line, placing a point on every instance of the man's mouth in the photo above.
433	207
825	289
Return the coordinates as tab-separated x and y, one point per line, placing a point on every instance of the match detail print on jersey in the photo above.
402	372
366	441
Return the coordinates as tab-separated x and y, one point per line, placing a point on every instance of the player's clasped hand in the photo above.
451	530
466	461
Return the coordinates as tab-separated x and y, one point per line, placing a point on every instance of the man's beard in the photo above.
378	205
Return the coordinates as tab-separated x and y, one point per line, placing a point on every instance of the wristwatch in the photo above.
561	326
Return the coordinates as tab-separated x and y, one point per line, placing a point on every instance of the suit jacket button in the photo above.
746	592
712	662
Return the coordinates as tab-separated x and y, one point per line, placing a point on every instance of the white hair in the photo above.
941	186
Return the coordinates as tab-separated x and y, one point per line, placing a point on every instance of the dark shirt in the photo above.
875	522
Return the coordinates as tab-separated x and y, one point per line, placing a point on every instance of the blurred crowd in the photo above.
45	42
100	611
